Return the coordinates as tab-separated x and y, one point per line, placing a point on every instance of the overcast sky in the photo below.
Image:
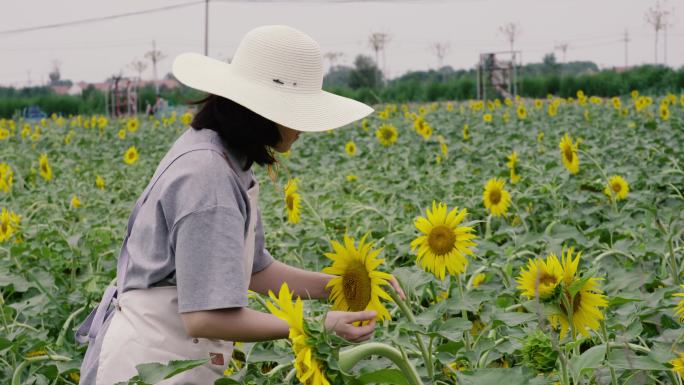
594	30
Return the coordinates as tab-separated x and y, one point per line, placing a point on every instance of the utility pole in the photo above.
377	41
657	17
563	47
511	31
665	43
206	27
154	57
440	50
626	40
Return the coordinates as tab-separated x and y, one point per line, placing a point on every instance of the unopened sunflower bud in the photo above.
538	353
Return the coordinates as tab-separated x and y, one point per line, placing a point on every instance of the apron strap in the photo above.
89	329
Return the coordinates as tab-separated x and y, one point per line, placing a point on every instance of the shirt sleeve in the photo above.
209	249
262	258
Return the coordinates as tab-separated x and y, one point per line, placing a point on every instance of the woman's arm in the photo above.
303	283
239	324
246	325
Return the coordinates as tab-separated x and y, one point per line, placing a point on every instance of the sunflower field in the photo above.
538	241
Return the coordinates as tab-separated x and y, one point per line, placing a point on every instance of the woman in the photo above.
195	241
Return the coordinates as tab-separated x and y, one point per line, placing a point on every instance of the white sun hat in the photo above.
277	72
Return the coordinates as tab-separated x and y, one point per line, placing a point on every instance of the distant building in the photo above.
77	88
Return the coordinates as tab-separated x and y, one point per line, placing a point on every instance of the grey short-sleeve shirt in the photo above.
191	230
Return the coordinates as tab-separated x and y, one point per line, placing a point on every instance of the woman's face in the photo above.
288	136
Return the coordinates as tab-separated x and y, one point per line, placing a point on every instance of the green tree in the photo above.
365	73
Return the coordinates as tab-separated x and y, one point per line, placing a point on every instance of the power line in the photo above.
96	19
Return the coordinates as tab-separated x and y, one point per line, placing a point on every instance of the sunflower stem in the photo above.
318	217
409	315
488	227
605	177
464	313
613	378
352	356
565	379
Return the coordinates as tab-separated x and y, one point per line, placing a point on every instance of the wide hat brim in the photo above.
300	111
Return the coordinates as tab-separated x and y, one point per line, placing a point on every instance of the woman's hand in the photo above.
341	322
397	288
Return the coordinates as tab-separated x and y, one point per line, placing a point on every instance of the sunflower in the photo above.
586	312
292	200
679	310
423	128
617	187
487	118
9	224
664	112
122	134
569	154
310	371
6	177
131	155
541	277
495	198
521	111
132	124
75	202
350	148
586	303
678	364
99	182
102	122
511	164
443	244
186	118
45	169
386	134
357	285
465	132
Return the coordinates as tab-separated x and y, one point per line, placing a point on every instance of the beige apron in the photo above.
148	328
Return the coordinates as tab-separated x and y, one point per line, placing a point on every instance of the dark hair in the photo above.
240	128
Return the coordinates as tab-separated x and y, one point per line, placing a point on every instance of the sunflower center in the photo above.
4	227
43	167
547	279
495	196
387	134
567	152
616	187
441	240
356	286
289	201
576	303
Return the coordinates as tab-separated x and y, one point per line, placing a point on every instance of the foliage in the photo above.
54	268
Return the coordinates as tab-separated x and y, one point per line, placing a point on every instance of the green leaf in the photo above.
384	376
226	381
626	359
578	284
154	372
453	328
617	301
590	359
496	376
513	318
4	343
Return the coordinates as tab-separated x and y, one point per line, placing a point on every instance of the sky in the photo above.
593	29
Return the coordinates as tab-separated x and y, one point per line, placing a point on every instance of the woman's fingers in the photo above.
397	288
360	316
357	333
